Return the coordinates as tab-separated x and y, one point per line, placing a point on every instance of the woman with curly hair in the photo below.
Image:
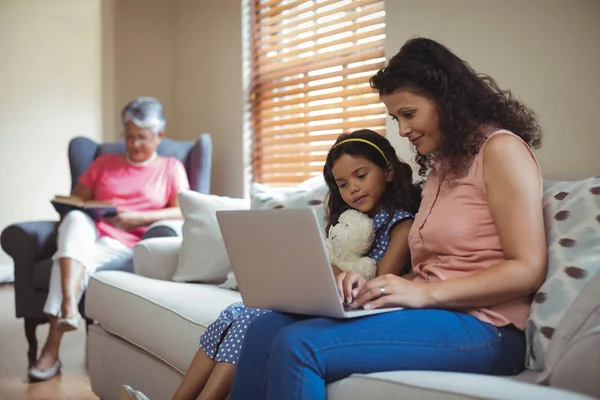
477	246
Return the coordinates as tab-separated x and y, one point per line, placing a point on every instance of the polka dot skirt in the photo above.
234	320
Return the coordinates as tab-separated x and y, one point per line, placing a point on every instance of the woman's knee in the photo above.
263	329
75	220
292	344
75	216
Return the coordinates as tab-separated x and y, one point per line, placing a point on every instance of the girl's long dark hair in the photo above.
401	193
465	102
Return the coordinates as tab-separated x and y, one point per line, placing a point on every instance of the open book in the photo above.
95	209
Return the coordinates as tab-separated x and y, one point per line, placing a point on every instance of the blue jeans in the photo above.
293	357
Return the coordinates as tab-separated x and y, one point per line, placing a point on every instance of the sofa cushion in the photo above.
157	258
432	385
574	352
572	220
203	257
164	318
310	193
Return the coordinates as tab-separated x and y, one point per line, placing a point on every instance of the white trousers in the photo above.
78	239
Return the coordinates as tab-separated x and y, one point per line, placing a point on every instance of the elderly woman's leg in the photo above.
64	293
79	253
71	279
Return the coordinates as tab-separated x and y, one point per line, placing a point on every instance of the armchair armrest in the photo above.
166	228
28	242
157	258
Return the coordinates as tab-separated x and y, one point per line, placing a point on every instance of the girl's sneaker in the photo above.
128	393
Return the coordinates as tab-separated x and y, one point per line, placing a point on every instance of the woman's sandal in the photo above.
37	374
68	324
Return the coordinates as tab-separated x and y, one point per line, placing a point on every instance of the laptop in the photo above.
280	262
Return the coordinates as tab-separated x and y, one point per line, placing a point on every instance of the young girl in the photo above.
362	172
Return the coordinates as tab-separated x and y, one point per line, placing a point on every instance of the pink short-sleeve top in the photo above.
133	188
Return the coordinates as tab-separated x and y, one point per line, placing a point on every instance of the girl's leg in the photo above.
219	383
196	376
307	355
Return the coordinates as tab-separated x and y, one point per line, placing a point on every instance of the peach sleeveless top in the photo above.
454	235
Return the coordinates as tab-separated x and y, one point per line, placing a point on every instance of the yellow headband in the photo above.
363	141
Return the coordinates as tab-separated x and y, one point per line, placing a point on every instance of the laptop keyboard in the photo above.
347	307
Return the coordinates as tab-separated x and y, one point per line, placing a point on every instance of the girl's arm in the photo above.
391	264
397	254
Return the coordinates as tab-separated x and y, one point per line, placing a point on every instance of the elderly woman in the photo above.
143	187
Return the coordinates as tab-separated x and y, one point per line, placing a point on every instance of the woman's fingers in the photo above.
380	302
372	289
367	294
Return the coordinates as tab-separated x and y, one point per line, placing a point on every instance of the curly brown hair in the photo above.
400	194
465	101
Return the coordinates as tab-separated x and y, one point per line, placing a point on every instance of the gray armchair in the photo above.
32	244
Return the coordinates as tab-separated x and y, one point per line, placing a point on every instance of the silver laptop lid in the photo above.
279	260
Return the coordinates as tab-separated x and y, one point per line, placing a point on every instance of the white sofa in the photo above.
148	327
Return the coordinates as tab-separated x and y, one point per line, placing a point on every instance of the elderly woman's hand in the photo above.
393	291
126	220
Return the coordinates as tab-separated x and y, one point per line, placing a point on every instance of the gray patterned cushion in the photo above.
310	193
572	220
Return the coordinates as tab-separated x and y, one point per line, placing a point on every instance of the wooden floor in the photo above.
72	384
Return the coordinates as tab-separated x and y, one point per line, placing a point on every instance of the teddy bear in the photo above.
349	240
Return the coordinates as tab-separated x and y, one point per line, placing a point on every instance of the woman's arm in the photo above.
514	195
129	220
172	211
83	192
513	187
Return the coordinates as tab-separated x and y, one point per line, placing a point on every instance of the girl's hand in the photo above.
397	292
126	220
349	285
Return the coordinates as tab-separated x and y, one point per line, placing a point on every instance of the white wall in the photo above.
50	91
546	51
143	55
188	54
207	91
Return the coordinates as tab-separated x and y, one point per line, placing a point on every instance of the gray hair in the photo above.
145	112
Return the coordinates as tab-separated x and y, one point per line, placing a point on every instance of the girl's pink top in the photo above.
133	188
454	235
